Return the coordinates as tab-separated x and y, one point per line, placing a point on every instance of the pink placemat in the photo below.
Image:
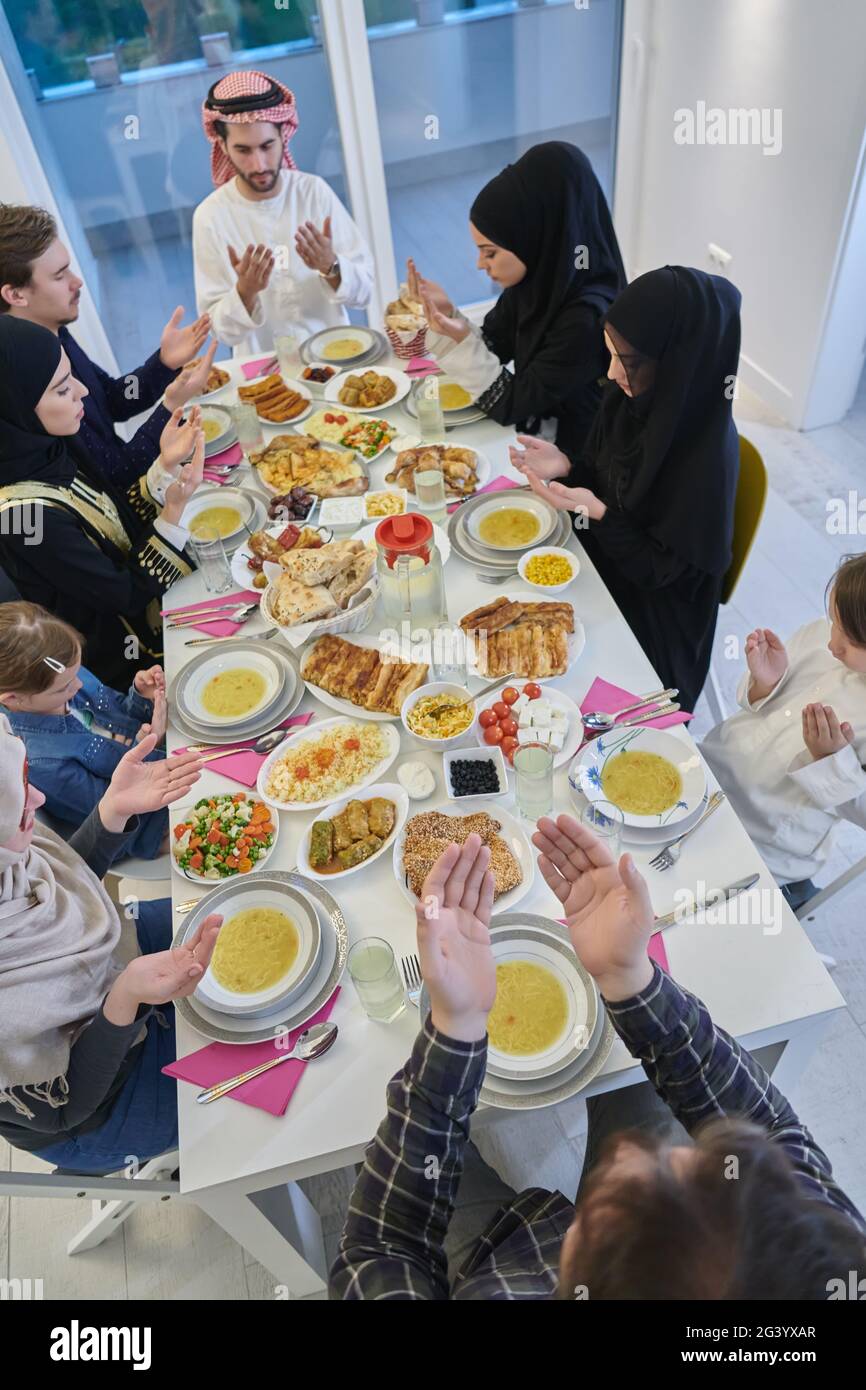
607	698
228	458
262	367
497	485
271	1091
421	366
215	627
243	766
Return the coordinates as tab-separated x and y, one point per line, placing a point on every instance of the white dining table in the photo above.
766	987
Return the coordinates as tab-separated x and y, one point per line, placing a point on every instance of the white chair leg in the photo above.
713	695
108	1217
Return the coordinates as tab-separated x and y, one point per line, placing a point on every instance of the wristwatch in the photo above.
334	270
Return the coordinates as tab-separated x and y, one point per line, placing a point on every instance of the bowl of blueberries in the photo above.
475	772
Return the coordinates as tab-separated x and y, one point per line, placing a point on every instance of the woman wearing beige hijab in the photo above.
81	1045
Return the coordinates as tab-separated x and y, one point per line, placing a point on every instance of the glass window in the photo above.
464	89
111	91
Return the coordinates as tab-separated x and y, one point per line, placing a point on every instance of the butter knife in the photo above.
713	899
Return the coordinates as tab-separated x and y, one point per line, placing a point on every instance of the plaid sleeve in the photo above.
701	1071
392	1243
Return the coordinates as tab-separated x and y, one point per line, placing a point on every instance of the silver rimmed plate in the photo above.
491	561
293	693
325	978
182	696
266	892
530	938
373	345
453	419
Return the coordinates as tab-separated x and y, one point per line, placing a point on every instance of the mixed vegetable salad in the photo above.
223	836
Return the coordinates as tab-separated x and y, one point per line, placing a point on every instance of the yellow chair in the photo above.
748	509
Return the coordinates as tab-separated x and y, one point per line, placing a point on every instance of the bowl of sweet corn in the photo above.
549	569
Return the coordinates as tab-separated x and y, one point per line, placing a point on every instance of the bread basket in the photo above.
352	619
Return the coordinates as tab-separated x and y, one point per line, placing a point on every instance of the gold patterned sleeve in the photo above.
139	498
160	561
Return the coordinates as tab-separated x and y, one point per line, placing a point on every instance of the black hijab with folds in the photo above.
542	209
670	457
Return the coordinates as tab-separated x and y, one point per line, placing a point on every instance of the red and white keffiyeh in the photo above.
245	90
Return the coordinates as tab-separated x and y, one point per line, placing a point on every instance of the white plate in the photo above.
392	791
260	662
558	699
337	702
528	943
641	837
293	903
443	545
482	469
318	343
300	387
353	417
575	641
402	382
516	499
312	735
285	1018
183	813
281	492
215	495
227	433
241	573
589	769
512	833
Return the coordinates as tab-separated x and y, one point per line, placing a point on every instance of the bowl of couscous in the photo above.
549	569
419	717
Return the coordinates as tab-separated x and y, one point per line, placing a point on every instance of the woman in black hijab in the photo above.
544	233
653	491
66	541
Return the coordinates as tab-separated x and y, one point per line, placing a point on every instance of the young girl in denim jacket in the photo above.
76	729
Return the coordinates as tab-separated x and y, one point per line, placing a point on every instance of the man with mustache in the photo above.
275	250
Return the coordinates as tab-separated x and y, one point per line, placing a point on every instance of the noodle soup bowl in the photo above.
679	791
262	664
264	893
530	940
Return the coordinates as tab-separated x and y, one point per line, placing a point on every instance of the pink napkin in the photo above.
244	765
216	627
421	366
263	367
274	1089
496	486
607	698
230	457
655	950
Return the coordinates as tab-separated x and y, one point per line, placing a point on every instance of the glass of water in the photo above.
213	563
288	356
375	976
533	764
606	821
248	425
448	653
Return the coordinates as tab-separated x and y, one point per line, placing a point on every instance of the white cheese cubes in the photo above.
538	721
519	706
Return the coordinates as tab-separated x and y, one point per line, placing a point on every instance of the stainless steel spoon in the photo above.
599	721
313	1042
263	744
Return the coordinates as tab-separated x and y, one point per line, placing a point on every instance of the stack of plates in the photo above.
468	415
283	693
586	772
484	557
574	1058
311	980
251	507
373	343
228	431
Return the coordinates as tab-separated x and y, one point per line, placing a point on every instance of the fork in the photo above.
411	968
238	614
496	579
667	857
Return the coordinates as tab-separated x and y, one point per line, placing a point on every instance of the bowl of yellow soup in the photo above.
221	511
268	946
453	396
655	778
233	688
218	428
342	346
513	519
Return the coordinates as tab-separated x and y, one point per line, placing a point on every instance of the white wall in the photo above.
785	218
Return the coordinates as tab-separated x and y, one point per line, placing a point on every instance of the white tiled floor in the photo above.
175	1252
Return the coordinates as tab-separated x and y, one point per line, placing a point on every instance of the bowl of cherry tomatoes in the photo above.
497	725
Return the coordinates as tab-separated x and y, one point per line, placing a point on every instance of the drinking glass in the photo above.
430	493
288	356
375	976
533	764
448	653
606	821
213	563
248	425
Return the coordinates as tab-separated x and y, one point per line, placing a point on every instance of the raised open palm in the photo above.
137	786
453	935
